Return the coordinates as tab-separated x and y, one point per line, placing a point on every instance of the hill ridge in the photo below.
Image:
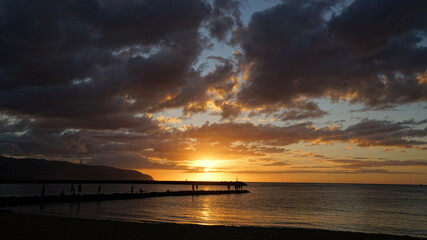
36	169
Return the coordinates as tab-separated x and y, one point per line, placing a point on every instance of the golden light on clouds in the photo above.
422	78
163	119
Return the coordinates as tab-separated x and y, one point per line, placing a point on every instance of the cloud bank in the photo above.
81	80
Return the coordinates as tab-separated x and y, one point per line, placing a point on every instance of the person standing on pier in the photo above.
43	190
79	189
192	187
99	189
131	189
73	191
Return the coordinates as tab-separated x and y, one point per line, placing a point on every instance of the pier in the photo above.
27	200
218	183
16	201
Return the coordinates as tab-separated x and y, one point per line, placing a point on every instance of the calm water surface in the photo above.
389	209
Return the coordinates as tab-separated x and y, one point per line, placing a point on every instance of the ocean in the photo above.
388	209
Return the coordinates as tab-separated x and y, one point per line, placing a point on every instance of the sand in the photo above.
27	226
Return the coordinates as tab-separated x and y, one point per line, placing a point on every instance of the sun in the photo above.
208	169
206	165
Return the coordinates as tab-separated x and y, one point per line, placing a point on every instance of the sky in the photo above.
259	91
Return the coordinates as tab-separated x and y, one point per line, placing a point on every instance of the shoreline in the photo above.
45	227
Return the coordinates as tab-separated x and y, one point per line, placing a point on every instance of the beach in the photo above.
28	226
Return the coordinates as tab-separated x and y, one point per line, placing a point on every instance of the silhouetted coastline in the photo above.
29	169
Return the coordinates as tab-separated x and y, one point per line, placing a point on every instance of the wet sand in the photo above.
26	226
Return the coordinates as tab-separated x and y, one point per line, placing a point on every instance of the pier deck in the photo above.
16	201
218	183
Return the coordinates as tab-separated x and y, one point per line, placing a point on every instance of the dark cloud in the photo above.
301	110
381	133
368	53
423	121
230	111
386	19
97	59
225	15
58	42
359	164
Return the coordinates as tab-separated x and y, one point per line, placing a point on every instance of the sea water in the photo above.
388	209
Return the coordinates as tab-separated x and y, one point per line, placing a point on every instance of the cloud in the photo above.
386	19
365	133
129	161
81	59
225	15
313	49
275	164
230	111
381	133
195	96
369	171
361	164
301	110
163	119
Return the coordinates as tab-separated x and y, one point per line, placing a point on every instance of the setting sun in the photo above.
206	164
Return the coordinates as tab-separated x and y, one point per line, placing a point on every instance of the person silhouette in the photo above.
140	191
131	189
73	191
192	187
79	189
99	189
43	190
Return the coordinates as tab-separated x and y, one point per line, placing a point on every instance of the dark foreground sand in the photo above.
24	226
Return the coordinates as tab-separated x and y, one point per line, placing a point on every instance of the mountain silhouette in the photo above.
40	169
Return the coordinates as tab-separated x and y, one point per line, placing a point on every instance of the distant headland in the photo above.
40	169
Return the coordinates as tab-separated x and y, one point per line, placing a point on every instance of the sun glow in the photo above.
207	165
